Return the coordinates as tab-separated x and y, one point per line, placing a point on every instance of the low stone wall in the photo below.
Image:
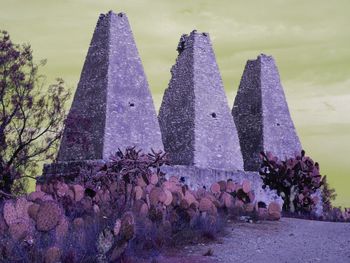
197	177
194	177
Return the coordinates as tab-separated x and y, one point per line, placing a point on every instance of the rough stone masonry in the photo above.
196	124
112	106
261	114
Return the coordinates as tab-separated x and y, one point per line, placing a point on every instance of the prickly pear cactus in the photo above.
296	180
48	216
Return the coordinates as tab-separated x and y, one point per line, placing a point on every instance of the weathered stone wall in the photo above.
196	178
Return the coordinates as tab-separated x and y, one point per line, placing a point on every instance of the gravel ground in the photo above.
287	240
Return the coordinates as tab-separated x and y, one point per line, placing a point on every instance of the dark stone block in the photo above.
196	124
261	114
112	106
70	171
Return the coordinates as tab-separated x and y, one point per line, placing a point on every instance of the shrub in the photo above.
328	195
298	181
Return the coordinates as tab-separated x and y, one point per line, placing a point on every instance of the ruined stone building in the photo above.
206	142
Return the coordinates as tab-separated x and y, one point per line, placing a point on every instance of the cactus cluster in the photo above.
298	181
128	202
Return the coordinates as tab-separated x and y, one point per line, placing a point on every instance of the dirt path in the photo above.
287	240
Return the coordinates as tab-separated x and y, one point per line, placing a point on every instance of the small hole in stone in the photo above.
120	14
131	104
261	204
278	124
205	34
90	192
213	115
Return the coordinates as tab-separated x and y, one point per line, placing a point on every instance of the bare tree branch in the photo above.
31	118
6	194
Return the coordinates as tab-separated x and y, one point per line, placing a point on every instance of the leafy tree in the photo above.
328	195
31	116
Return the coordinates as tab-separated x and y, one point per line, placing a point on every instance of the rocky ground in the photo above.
287	240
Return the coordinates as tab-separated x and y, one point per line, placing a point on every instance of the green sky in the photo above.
309	40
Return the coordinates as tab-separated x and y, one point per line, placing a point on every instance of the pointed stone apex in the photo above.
110	14
266	60
187	41
261	114
264	56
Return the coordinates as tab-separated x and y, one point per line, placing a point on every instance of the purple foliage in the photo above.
296	180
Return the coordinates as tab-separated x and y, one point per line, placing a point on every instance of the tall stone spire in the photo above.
112	106
196	124
261	114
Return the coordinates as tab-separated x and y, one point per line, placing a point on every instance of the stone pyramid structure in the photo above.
261	114
195	120
112	106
